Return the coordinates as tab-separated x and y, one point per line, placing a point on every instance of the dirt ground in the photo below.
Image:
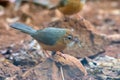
104	15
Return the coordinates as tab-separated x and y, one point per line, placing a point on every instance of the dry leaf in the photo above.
66	59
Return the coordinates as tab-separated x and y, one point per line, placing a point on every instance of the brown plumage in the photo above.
69	7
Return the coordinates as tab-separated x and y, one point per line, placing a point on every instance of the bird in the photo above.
66	7
70	7
50	38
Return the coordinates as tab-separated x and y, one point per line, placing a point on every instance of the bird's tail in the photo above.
23	28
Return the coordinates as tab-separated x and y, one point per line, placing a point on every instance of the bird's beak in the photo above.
77	41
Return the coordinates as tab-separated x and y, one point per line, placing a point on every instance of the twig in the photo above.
61	70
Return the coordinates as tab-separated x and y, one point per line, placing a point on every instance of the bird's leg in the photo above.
61	69
46	53
62	74
61	53
80	17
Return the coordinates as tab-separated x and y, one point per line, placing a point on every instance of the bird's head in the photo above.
71	39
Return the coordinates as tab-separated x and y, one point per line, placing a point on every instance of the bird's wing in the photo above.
49	36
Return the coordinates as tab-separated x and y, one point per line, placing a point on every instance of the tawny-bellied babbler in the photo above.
52	39
69	7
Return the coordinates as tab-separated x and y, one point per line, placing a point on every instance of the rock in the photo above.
8	70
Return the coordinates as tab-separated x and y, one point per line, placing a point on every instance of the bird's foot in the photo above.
61	54
80	17
46	54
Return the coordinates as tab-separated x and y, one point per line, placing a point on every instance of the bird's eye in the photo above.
69	37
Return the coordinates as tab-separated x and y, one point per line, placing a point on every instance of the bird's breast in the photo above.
58	46
71	8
